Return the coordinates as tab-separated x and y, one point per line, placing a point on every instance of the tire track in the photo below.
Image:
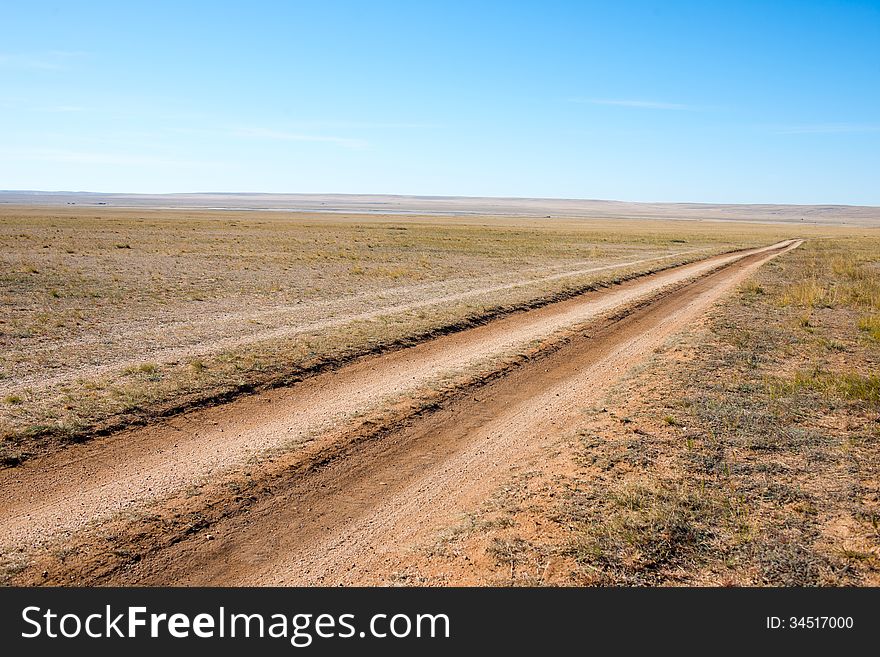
356	520
51	498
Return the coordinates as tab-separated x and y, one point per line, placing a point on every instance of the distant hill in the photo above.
461	205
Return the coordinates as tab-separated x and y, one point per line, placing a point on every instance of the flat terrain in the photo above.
114	317
742	452
226	397
466	206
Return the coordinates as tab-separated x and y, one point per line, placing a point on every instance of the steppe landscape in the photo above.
306	389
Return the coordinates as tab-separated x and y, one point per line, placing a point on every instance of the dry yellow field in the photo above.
115	316
617	389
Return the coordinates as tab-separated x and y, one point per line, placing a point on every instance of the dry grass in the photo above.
114	316
746	453
644	529
870	324
771	477
834	274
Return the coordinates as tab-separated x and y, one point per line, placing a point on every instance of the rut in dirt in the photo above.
355	519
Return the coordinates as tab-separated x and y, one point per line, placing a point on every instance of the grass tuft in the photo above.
142	368
870	324
847	385
644	528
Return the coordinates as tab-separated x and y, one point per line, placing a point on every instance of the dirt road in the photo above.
337	511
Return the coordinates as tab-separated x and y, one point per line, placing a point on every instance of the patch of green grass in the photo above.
870	324
142	368
847	385
833	345
197	365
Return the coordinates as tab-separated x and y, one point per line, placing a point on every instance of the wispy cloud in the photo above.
61	109
827	128
52	60
278	135
369	125
640	104
29	106
89	157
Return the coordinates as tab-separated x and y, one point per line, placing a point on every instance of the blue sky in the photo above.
644	101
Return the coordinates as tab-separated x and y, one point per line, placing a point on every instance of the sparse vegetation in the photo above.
197	365
751	287
143	368
846	385
870	324
778	458
767	472
753	463
641	529
211	304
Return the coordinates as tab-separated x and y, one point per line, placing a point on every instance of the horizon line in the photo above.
433	197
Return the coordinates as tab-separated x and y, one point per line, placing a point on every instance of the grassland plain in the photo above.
379	474
113	317
744	453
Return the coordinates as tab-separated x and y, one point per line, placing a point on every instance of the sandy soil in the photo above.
352	517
